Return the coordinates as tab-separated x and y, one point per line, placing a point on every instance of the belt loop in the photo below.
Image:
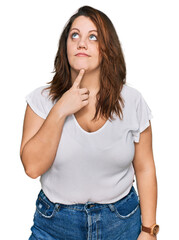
57	206
111	206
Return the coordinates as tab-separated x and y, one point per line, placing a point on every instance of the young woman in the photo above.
86	135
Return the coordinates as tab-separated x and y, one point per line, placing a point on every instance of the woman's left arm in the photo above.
145	172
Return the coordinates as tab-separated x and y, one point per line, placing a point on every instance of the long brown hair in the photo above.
112	68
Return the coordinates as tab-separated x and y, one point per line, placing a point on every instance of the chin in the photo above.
78	68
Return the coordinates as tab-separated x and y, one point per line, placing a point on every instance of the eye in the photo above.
93	37
74	35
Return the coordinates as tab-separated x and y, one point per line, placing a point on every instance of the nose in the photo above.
82	44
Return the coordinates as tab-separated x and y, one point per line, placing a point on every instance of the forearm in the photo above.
147	189
39	152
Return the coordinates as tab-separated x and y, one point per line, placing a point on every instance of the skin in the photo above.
144	167
82	38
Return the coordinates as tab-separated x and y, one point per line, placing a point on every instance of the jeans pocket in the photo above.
44	207
127	206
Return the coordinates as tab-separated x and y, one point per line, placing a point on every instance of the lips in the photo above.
82	55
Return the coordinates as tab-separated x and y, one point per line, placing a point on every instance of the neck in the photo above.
90	80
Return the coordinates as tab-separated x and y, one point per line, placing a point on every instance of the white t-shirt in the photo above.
96	166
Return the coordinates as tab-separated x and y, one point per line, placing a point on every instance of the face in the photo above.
82	45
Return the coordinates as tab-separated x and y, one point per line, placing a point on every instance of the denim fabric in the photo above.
120	220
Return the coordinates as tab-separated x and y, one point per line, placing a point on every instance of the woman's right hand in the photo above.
75	98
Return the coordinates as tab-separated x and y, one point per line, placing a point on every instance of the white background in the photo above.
30	31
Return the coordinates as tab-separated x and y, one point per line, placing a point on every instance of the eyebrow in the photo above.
79	30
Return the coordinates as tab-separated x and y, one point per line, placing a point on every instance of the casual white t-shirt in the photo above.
93	166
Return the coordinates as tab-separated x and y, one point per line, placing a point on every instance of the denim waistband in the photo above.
89	204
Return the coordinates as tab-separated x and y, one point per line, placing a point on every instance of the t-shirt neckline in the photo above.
90	133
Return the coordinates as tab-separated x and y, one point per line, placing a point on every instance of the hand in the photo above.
75	98
146	236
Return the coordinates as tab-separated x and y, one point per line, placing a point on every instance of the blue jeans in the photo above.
120	220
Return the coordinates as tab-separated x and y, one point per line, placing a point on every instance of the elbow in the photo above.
29	169
31	174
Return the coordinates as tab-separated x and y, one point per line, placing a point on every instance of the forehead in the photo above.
83	23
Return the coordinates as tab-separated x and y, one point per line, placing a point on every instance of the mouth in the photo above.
82	55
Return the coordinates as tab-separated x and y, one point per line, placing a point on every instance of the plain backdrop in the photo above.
30	31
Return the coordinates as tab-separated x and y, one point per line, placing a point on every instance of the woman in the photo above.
86	135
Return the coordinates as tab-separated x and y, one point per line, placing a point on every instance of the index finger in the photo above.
79	78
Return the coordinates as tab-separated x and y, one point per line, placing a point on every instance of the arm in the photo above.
145	172
41	137
38	150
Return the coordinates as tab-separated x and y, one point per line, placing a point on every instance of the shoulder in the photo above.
39	100
39	93
130	94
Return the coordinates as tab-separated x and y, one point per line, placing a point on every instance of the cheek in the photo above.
96	51
98	57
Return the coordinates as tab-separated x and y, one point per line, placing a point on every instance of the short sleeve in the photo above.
37	100
143	115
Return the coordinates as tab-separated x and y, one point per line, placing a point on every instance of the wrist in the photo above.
148	219
146	236
58	112
152	230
